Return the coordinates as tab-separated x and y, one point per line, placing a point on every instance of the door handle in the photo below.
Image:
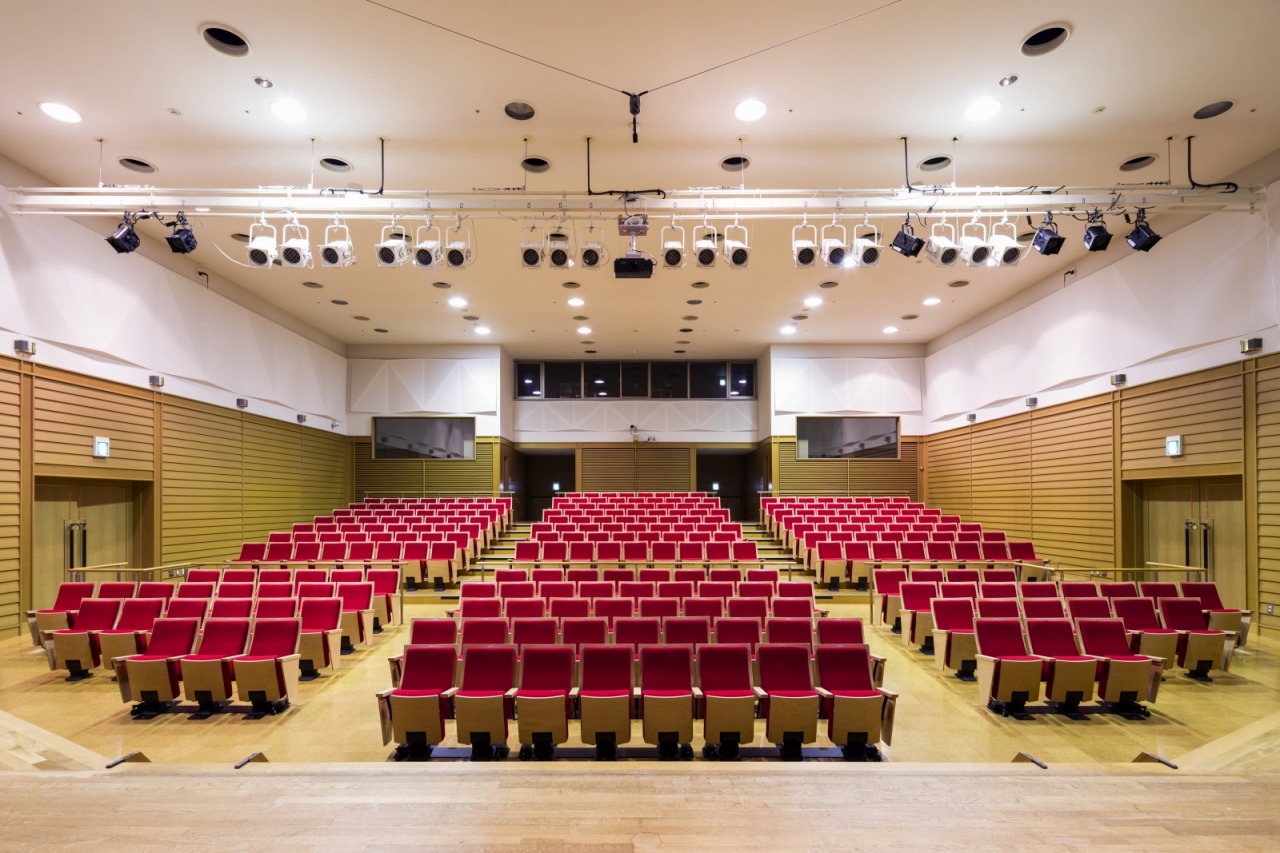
1206	552
1187	527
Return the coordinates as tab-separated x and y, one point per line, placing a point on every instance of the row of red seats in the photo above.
635	526
107	629
579	574
358	531
605	699
739	553
636	536
417	561
635	631
858	561
658	607
261	657
667	586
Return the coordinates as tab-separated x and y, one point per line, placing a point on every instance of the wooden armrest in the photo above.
823	692
574	691
383	694
511	694
986	658
448	694
396	658
759	691
697	693
888	694
635	692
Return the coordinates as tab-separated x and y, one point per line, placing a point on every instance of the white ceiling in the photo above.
838	101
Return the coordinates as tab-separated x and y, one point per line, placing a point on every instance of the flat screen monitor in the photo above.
847	438
424	438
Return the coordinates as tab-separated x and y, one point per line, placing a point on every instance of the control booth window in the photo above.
635	380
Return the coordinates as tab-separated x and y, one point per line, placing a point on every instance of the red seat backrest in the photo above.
139	614
1043	608
636	631
1138	614
488	668
486	632
97	614
666	668
321	614
786	630
1000	637
1104	637
1180	614
433	631
1052	637
1118	589
275	608
605	668
952	614
687	630
512	608
224	637
428	668
1205	591
724	667
844	667
740	630
173	637
116	589
547	668
578	631
784	668
840	631
1158	589
1089	608
612	608
997	590
534	631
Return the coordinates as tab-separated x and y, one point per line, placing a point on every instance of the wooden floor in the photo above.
948	784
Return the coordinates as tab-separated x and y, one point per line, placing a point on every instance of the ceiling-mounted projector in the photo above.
633	265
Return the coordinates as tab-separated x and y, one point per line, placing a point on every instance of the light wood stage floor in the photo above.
948	783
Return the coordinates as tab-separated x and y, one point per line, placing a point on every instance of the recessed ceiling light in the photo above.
470	318
581	317
685	331
577	301
240	237
587	351
1009	80
263	82
202	210
788	330
457	302
699	285
689	317
225	40
679	351
1213	110
288	111
827	285
693	302
584	330
1142	161
482	330
335	164
812	301
735	163
890	330
932	300
135	164
314	285
338	301
934	164
750	110
799	316
982	109
586	342
571	285
682	343
1046	38
61	112
443	285
910	317
381	331
519	110
359	317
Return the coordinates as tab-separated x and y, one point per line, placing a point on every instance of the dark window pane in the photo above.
742	379
668	380
708	380
601	378
528	379
635	379
563	380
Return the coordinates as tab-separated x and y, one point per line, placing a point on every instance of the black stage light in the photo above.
906	243
124	239
1097	237
1047	240
181	240
1142	237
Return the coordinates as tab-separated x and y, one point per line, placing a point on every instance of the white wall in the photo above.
1181	307
124	317
427	386
659	420
845	381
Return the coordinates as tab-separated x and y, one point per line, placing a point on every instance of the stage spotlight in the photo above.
295	251
337	251
1006	251
124	239
804	245
181	240
736	252
905	242
457	250
835	245
393	249
531	253
426	247
942	251
865	251
262	244
975	251
1097	237
1047	240
559	251
1142	237
594	254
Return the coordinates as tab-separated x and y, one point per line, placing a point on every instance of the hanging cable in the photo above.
1225	186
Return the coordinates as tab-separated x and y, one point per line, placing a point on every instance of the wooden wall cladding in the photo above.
231	477
70	413
10	516
899	476
1268	491
1205	408
1046	476
636	467
425	477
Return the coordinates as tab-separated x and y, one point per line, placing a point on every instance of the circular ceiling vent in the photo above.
225	40
1045	39
735	163
335	164
1133	164
136	164
934	164
519	110
1213	110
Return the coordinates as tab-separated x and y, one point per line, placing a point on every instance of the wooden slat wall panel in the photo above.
1268	497
324	472
899	476
1072	485
272	460
202	502
1000	466
949	486
1208	415
662	469
10	424
69	415
424	477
